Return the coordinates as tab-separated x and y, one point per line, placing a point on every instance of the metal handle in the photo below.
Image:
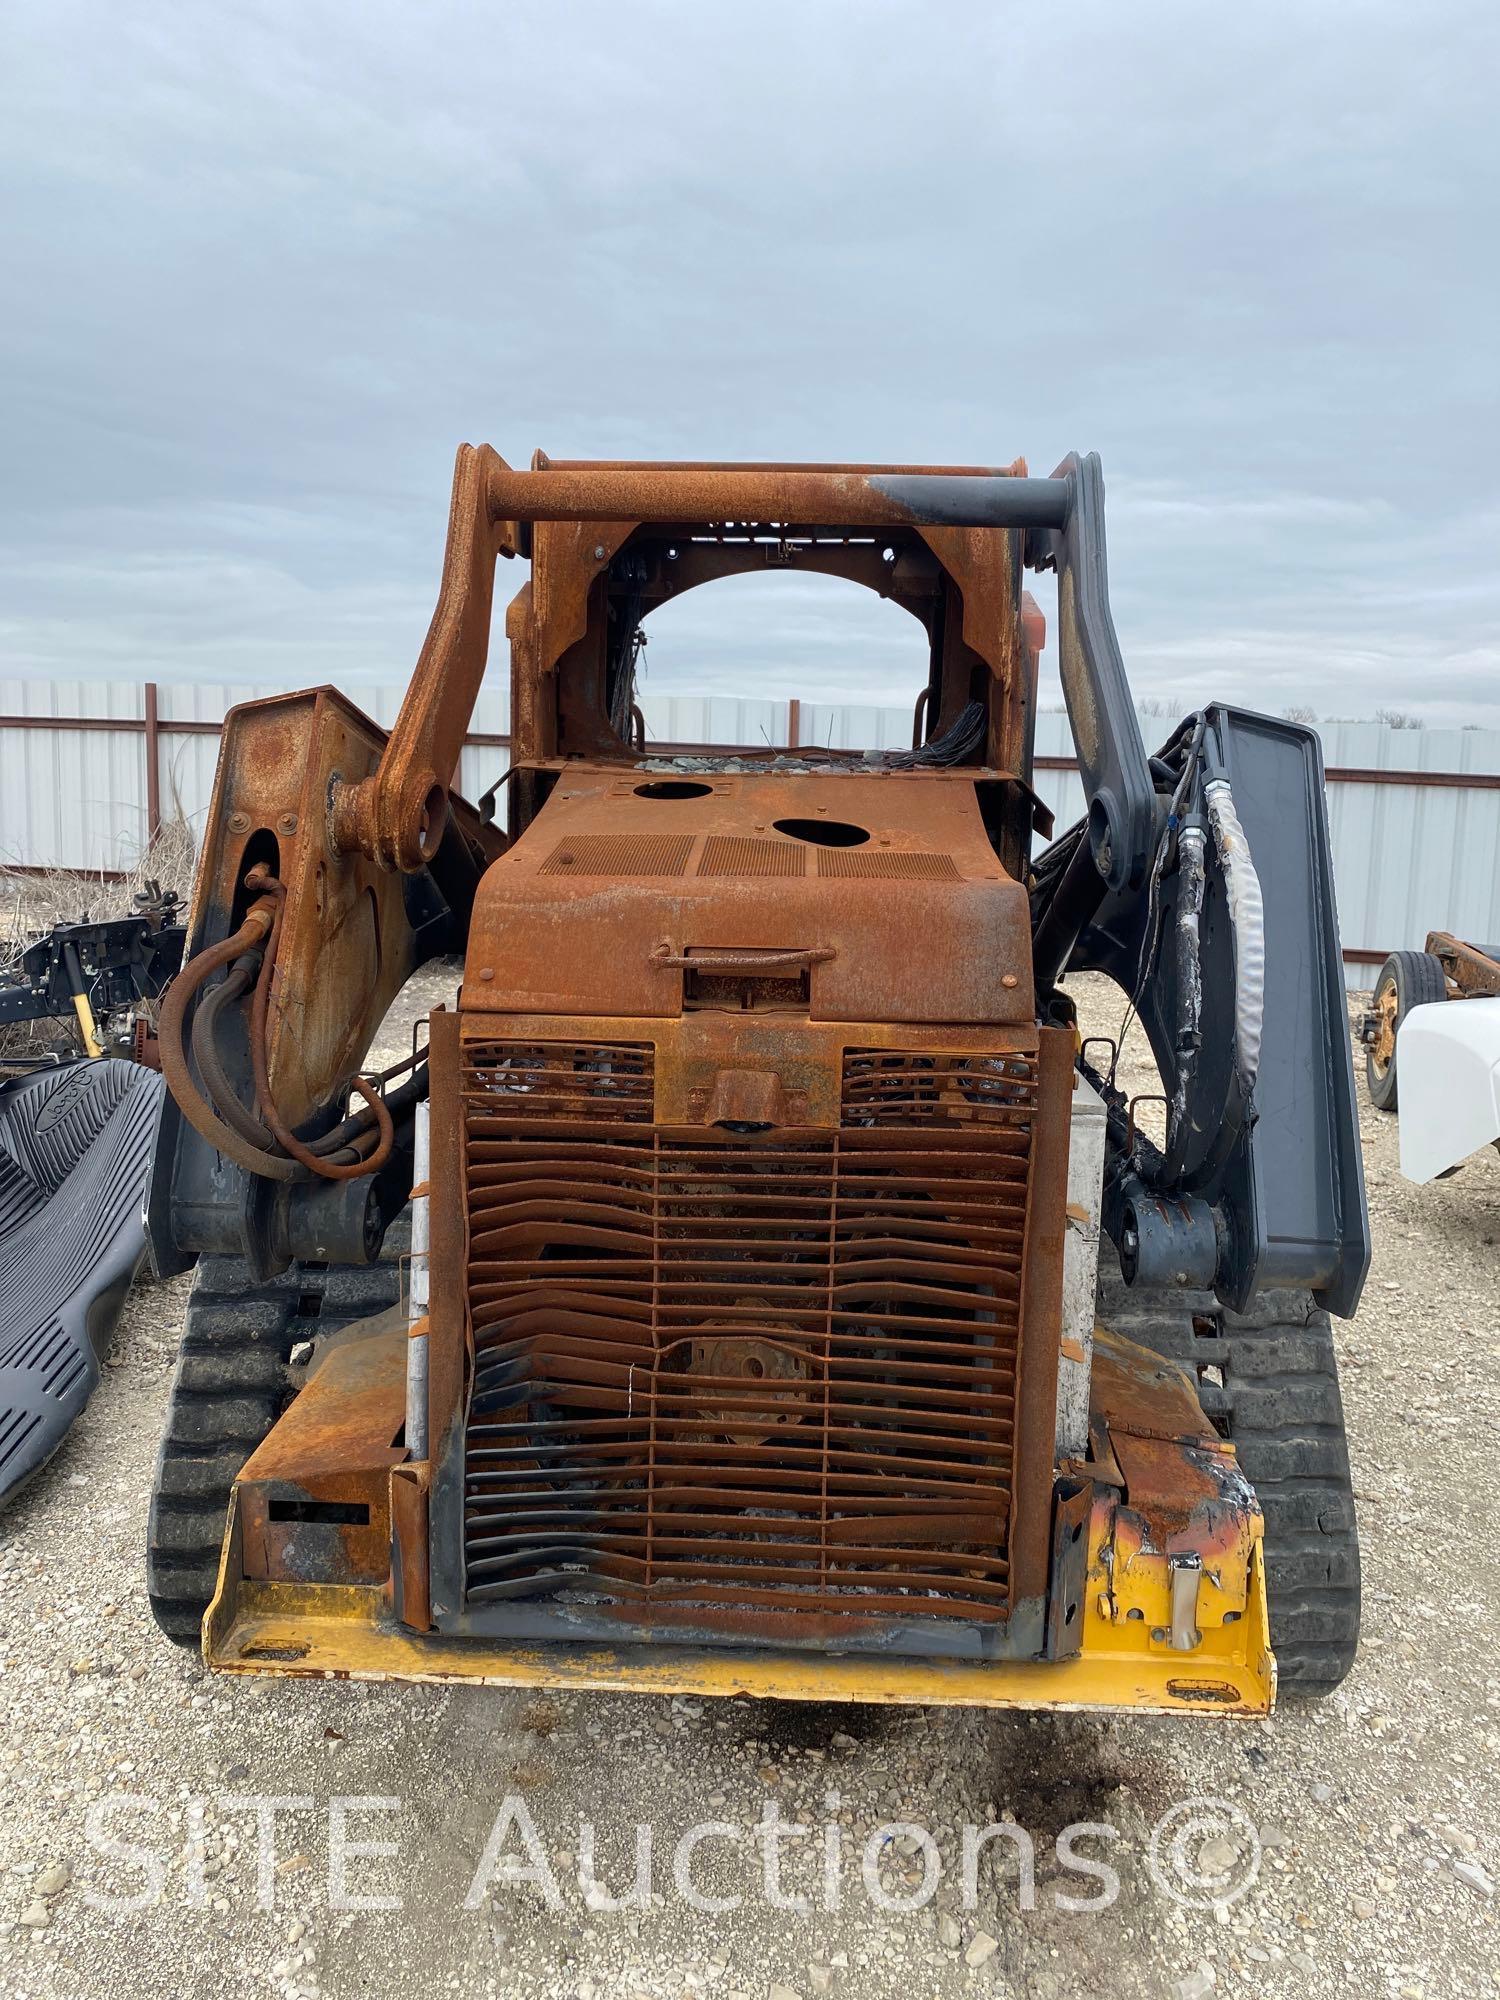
751	959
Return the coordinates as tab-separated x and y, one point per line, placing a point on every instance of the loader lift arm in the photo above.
337	818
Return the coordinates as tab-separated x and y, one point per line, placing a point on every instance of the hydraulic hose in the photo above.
216	1081
340	1144
359	1125
327	1170
225	1123
260	920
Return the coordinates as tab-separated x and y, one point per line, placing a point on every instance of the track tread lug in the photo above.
1285	1417
230	1384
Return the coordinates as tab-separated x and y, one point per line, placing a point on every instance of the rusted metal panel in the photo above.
694	1051
985	565
1180	1510
411	1583
635	864
347	943
1471	970
314	1494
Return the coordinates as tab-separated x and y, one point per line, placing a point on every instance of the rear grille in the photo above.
559	1080
738	854
744	1383
882	865
619	854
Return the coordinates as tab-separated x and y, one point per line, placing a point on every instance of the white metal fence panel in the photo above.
1411	854
188	761
1061	791
684	718
854	726
72	798
1407	857
1410	858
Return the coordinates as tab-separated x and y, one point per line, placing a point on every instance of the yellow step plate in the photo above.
347	1632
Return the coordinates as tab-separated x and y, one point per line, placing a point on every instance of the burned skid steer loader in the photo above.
714	1300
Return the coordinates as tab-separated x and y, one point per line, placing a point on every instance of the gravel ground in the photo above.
1376	1809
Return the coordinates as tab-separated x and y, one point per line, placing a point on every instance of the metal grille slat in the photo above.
750	1376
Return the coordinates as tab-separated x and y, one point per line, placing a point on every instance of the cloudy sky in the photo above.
265	266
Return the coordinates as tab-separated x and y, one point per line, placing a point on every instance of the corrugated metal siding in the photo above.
855	726
188	762
71	798
1407	858
1410	859
684	718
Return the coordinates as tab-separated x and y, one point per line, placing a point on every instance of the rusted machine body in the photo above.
731	1354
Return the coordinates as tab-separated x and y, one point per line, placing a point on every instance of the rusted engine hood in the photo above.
629	880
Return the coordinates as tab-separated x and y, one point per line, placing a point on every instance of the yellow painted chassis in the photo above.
1125	1658
345	1632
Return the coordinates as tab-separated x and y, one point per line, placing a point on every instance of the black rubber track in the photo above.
1278	1401
231	1383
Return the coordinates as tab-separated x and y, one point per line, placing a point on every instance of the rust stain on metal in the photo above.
634	882
315	1495
346	942
1472	972
1171	1492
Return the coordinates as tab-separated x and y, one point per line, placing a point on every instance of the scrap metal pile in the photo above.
102	976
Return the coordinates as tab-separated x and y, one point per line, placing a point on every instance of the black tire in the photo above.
1268	1381
1407	979
231	1383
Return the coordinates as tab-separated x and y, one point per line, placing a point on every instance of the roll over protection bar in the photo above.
395	816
